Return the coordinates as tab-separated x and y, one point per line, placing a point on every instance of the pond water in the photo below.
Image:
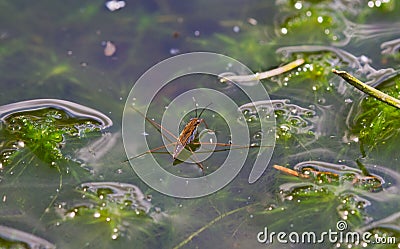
67	72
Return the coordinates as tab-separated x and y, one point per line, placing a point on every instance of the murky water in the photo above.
66	72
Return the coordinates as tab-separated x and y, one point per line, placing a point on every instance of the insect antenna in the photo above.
203	110
195	105
195	108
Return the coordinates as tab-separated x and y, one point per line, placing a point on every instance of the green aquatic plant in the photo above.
9	244
119	207
296	25
378	10
385	231
333	175
250	45
41	132
385	236
376	123
210	224
329	21
336	185
314	74
348	207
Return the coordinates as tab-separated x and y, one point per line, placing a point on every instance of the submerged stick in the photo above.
264	75
368	89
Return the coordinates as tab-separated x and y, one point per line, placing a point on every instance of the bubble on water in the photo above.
174	51
114	5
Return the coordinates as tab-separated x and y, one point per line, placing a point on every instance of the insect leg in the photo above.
157	126
196	160
149	151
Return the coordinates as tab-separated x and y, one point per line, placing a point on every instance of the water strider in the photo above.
187	137
189	132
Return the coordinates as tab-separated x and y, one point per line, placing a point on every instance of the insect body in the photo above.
187	135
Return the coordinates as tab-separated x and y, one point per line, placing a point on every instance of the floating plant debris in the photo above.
43	127
109	48
13	238
119	205
254	78
290	171
368	89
